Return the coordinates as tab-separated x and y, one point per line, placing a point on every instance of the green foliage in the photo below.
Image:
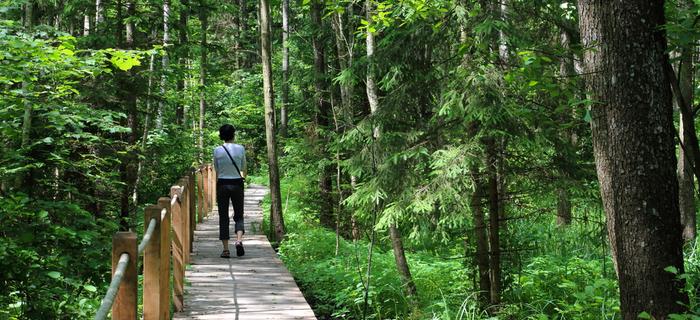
552	287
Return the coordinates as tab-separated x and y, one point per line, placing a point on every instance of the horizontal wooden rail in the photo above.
168	236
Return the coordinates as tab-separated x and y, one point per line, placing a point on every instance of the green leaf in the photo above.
671	269
54	274
90	288
644	315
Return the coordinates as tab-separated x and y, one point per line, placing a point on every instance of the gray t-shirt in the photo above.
222	163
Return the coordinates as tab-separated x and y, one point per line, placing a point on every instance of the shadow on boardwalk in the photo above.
255	286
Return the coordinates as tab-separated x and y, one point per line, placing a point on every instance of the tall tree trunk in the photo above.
128	90
202	77
164	65
566	71
482	243
285	68
686	185
98	13
182	61
344	45
401	262
276	217
243	35
86	25
28	105
323	113
633	143
373	98
494	222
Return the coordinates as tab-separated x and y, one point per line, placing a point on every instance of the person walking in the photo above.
230	165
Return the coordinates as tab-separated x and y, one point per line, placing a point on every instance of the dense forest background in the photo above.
436	157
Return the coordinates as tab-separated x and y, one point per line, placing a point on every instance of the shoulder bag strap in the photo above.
234	162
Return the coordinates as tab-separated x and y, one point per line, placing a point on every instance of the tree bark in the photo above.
128	90
164	65
494	222
686	132
86	25
98	12
243	36
401	262
633	143
372	97
344	45
566	71
182	61
202	77
323	112
28	105
482	244
276	217
285	68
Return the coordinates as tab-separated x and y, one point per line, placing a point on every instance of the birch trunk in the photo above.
164	65
285	68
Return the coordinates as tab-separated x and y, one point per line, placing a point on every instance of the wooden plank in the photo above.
152	265
124	306
255	286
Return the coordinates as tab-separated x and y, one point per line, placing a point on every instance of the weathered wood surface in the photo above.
255	286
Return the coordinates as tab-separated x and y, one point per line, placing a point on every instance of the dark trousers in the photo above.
229	191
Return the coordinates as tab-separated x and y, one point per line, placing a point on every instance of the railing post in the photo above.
193	210
124	306
205	189
185	209
213	187
177	247
164	309
151	265
200	194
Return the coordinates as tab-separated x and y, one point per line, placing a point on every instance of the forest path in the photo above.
254	286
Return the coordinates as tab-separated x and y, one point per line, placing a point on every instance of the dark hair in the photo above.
226	132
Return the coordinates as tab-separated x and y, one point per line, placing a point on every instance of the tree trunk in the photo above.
344	45
243	36
276	217
372	97
401	262
28	105
482	244
494	222
686	185
285	68
98	12
566	71
182	61
164	64
128	90
633	143
86	25
323	111
202	78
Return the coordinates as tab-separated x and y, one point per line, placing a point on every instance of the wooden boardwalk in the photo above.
255	286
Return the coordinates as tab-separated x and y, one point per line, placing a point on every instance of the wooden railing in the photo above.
169	233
